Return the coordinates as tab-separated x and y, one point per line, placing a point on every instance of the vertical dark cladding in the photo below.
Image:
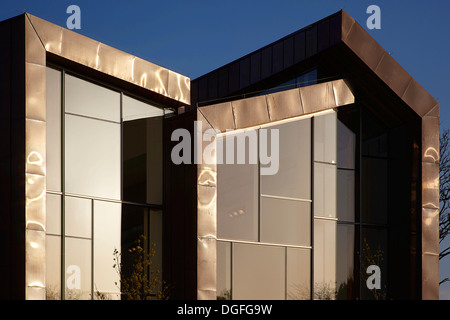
265	67
12	158
180	214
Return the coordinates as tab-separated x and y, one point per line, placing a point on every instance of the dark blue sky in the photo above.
195	37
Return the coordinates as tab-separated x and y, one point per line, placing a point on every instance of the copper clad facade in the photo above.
366	68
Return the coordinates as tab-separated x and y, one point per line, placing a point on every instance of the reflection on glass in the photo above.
374	190
142	151
107	228
53	214
374	252
223	270
345	265
325	132
78	269
346	146
237	197
53	131
285	221
78	217
92	157
324	190
346	195
88	99
324	259
293	178
53	267
298	276
140	221
258	272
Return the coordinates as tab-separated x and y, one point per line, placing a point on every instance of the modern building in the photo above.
336	197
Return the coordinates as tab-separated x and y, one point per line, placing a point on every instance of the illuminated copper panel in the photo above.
250	112
206	220
284	104
35	269
35	163
317	97
220	116
111	61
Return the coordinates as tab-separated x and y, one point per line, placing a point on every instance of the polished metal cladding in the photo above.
418	99
35	166
111	61
206	221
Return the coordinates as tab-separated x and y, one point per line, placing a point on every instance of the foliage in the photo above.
143	282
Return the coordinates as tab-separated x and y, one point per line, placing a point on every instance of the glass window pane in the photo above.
324	190
324	259
345	265
293	178
223	270
374	252
134	109
92	157
53	267
298	274
78	217
78	269
259	272
346	195
285	221
346	146
325	132
53	211
107	229
86	98
143	160
374	190
53	122
237	197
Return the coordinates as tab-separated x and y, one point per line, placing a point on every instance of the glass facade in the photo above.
275	261
320	220
104	184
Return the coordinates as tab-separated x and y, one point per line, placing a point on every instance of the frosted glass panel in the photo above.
78	269
258	272
325	138
107	237
78	217
324	259
53	267
223	270
293	178
53	211
86	98
324	190
285	221
53	131
237	199
134	109
92	157
298	274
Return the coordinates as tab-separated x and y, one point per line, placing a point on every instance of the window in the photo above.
104	188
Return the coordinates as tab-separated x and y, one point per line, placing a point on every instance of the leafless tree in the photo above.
444	194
